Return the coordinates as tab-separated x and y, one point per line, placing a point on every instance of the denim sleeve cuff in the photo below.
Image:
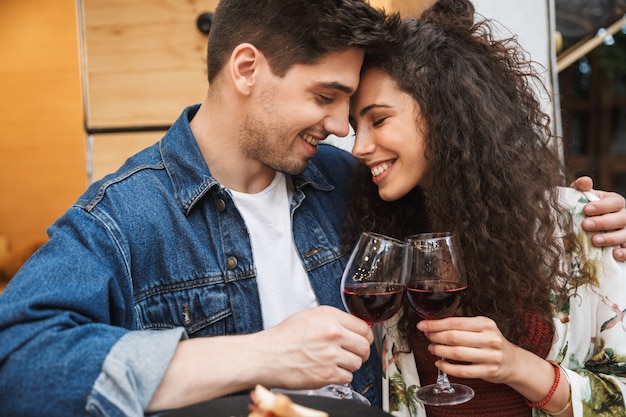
132	372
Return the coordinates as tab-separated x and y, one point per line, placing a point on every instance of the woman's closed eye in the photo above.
380	121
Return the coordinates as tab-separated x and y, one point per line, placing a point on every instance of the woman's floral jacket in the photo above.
590	340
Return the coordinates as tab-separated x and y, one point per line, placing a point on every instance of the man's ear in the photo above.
244	66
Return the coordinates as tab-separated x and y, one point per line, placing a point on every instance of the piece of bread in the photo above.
270	404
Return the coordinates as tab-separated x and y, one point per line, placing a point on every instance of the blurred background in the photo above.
86	83
592	85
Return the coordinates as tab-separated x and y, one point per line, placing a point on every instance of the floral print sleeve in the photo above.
590	340
400	377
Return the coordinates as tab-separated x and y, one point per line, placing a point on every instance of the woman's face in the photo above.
387	136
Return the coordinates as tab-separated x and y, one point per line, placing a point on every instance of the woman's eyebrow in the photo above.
366	109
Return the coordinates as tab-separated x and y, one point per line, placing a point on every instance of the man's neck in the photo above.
223	156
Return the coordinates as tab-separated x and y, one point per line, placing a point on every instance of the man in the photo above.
229	227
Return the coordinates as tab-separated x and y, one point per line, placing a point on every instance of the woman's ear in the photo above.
244	66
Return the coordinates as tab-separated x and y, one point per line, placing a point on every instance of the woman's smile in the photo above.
381	171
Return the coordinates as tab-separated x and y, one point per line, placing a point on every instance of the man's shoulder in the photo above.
332	157
330	168
329	148
139	172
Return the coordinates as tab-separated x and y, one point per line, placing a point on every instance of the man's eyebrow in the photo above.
337	86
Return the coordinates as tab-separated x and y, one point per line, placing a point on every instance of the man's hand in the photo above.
310	349
607	214
317	347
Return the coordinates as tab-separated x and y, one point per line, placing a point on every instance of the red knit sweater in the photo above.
492	400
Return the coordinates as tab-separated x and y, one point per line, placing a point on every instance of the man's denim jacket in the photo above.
159	247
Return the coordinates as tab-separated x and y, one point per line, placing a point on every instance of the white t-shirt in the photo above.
284	286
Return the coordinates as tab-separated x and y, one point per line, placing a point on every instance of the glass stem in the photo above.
443	385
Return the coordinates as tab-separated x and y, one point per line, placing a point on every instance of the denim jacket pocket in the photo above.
201	307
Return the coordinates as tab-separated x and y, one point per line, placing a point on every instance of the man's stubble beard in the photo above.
262	140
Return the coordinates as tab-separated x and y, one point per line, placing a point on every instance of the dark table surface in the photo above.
237	406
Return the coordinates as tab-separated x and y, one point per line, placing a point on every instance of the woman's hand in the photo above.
605	215
477	343
484	353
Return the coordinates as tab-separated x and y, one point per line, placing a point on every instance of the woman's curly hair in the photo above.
493	167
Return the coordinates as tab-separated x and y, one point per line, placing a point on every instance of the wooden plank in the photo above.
138	12
410	8
381	4
144	47
407	8
109	151
143	60
143	98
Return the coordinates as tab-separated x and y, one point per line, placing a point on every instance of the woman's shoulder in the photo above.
572	197
598	262
574	201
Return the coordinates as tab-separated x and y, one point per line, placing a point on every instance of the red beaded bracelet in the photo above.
557	378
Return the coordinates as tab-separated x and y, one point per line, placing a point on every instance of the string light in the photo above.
608	38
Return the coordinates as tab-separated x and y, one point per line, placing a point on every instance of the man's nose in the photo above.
337	121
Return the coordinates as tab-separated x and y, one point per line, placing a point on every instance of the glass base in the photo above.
433	395
344	392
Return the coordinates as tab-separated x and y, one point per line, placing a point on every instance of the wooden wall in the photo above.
42	142
143	63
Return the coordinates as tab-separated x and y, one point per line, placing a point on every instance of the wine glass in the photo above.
435	286
373	284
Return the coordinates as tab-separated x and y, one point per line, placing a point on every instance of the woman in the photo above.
452	138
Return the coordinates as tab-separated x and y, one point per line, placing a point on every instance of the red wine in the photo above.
373	302
435	299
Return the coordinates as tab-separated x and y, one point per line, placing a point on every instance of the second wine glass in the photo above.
435	287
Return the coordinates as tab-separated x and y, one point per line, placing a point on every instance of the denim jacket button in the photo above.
221	205
231	262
